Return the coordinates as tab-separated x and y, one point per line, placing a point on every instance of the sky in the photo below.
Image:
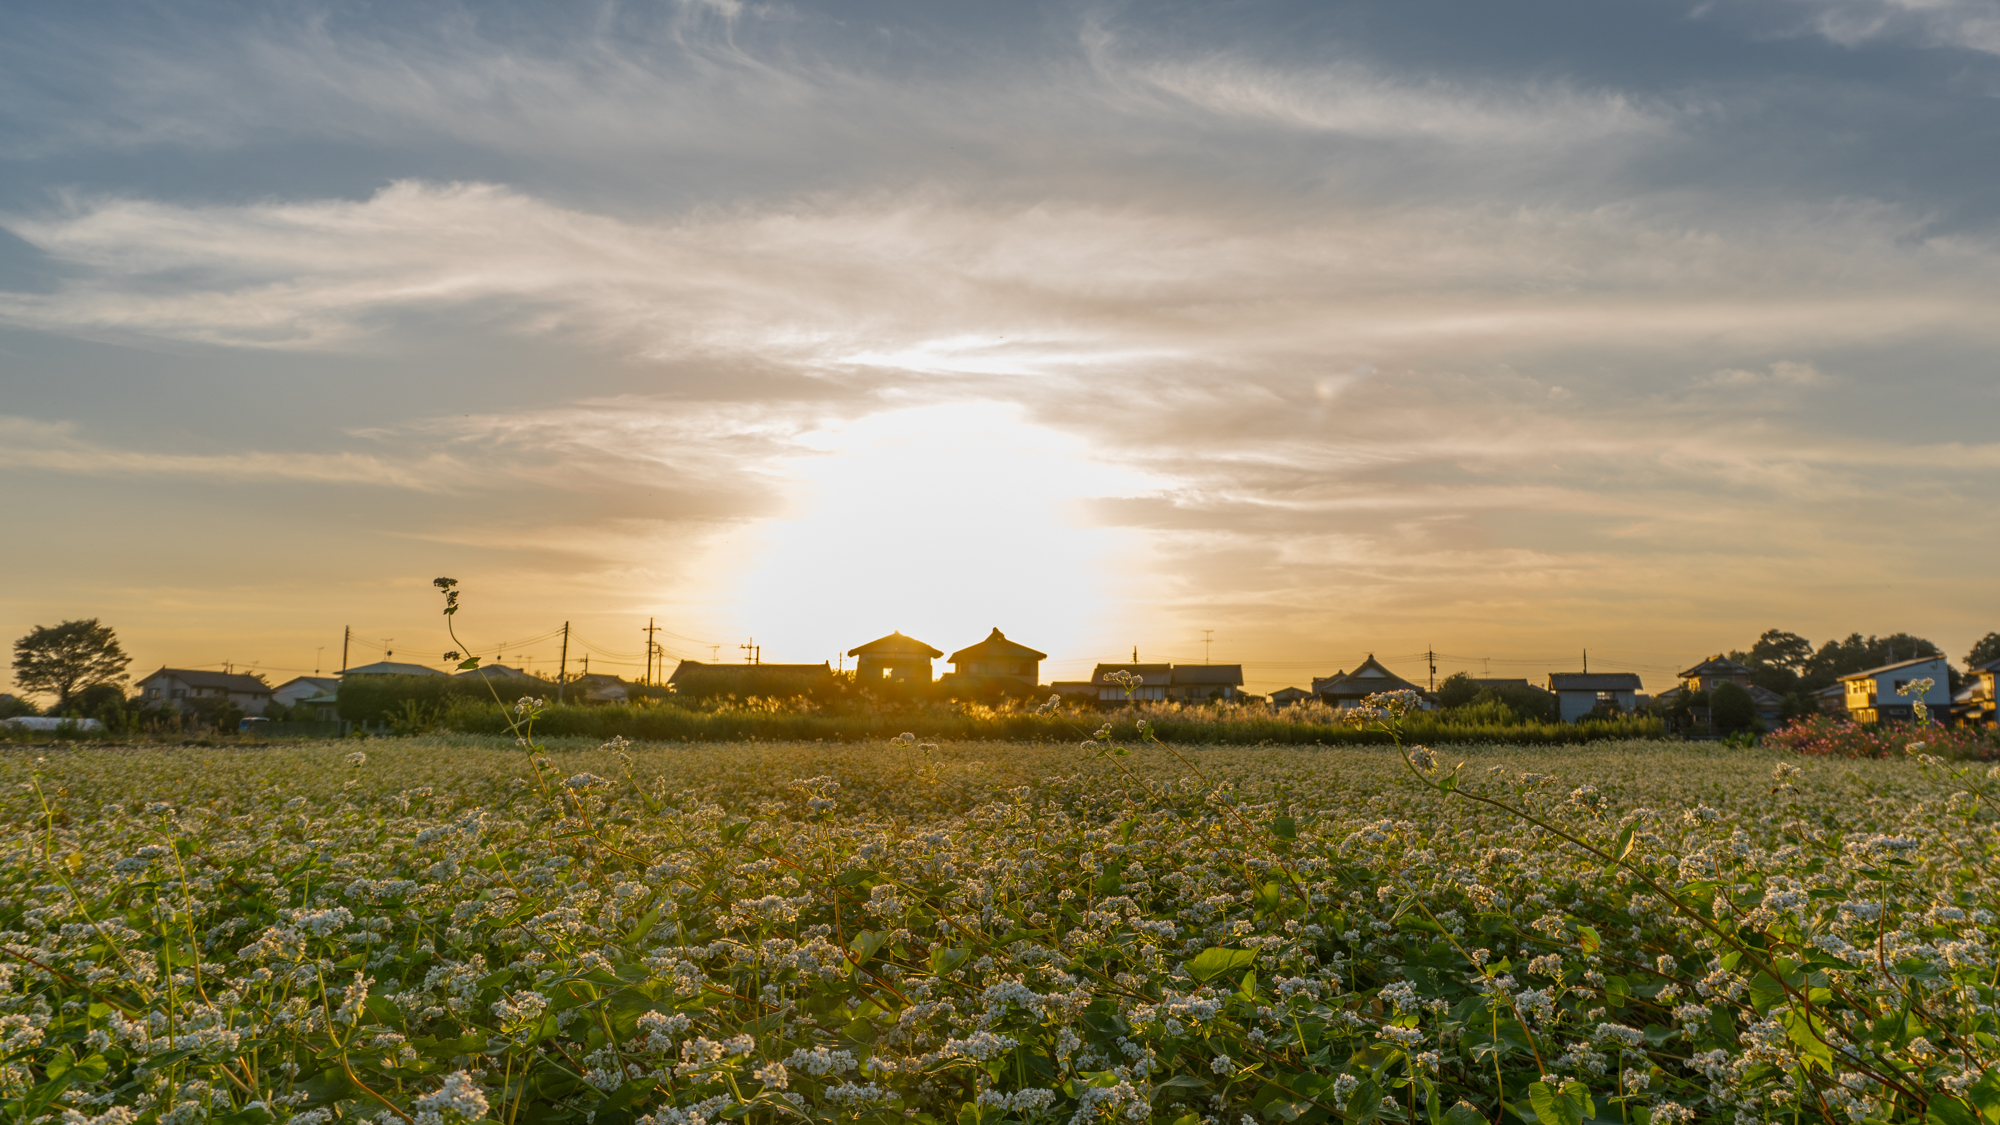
1271	333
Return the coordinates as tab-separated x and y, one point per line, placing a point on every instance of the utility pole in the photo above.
753	653
1433	657
562	669
1207	635
1586	660
346	635
650	630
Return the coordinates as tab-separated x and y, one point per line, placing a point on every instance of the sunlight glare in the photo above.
939	521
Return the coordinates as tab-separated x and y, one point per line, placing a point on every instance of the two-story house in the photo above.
1876	695
180	686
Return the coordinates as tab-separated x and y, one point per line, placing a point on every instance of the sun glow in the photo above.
942	522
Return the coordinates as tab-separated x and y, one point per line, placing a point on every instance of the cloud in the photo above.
1784	373
32	444
1350	98
1972	25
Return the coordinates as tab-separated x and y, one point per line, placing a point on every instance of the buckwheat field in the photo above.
435	931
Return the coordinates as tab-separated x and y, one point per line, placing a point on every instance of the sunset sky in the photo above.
1504	330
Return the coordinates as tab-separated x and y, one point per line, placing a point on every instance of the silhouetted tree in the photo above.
68	658
1457	690
1985	652
1730	709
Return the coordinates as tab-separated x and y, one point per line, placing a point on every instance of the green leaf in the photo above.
944	959
1587	939
1183	1082
733	832
1111	881
1188	1119
1463	1114
1809	1033
867	943
1285	828
1950	1111
469	663
1624	847
1555	1107
1267	898
1211	963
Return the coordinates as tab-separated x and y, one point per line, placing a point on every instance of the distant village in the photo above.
999	668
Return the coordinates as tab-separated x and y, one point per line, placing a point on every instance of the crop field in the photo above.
438	930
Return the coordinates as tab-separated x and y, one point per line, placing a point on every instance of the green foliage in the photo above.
13	706
1457	690
1985	651
67	658
386	699
1731	709
1208	724
452	929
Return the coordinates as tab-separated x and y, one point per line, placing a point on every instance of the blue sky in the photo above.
1510	330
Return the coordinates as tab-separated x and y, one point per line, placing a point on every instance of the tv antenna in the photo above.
753	653
1207	635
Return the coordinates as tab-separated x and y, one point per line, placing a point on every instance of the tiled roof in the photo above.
895	644
225	681
1594	681
996	646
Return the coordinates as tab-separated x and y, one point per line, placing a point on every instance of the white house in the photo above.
301	688
184	685
1579	693
1875	695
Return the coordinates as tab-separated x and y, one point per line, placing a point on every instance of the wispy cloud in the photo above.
56	447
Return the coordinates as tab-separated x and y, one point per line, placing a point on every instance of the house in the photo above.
1580	693
600	687
1831	700
996	656
696	679
1348	689
494	672
298	689
1974	706
1714	672
1154	682
1075	690
1874	695
894	657
1286	696
390	668
248	694
1197	683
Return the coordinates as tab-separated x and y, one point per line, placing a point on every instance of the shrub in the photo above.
1731	709
1822	736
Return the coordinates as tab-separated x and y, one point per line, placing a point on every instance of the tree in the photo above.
1731	709
1457	690
1985	652
68	658
1779	649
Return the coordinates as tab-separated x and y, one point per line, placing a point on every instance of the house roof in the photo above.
1989	666
1594	681
1368	678
1152	675
390	668
1900	664
225	681
1492	683
1717	665
1226	674
996	646
895	644
694	666
323	683
1290	693
495	672
603	678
